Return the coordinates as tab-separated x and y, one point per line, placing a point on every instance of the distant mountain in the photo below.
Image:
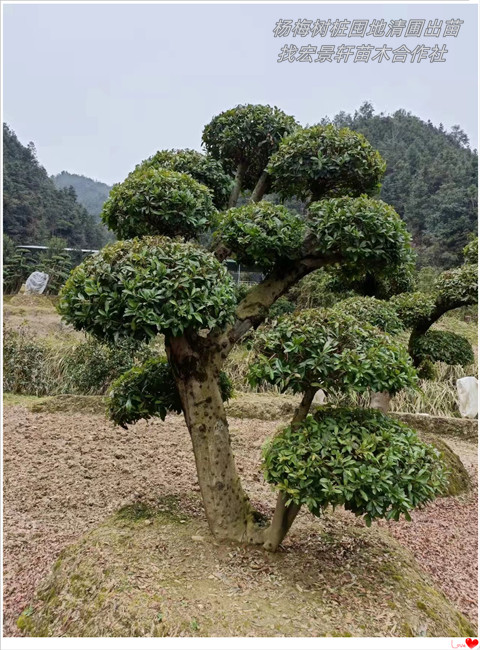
34	210
90	193
431	179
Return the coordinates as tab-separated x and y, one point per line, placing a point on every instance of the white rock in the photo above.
319	398
467	389
36	282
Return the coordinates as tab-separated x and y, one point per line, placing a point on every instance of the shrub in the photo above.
33	367
314	291
247	134
327	349
325	161
204	169
156	201
470	252
90	367
448	347
27	367
261	234
17	266
143	287
458	286
378	313
365	233
150	391
413	307
356	458
280	308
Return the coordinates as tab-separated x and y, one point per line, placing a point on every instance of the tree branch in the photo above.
283	518
422	326
303	408
237	188
260	188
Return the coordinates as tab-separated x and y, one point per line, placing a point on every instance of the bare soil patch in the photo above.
66	472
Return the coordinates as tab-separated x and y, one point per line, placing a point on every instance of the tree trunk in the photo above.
303	408
237	188
260	188
284	515
228	510
282	520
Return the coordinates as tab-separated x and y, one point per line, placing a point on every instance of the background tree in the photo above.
157	284
419	311
34	210
431	179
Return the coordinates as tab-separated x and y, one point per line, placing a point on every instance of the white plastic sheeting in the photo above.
467	389
36	282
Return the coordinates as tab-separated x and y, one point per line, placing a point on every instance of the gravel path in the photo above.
65	473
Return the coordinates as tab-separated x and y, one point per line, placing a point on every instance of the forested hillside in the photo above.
91	194
431	179
34	210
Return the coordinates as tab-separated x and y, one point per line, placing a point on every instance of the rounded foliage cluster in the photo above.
143	287
281	307
150	391
357	458
448	347
261	234
155	201
328	349
247	134
470	252
322	161
413	307
458	286
365	309
204	169
363	233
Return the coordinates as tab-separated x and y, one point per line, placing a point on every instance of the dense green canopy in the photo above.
155	201
324	161
357	458
204	169
247	134
261	234
143	287
328	349
365	309
448	347
363	233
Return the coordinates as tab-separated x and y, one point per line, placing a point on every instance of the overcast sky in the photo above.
98	88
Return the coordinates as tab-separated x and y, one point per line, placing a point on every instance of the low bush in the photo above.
32	366
361	459
437	345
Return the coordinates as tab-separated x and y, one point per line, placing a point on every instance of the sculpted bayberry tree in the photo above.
419	311
159	283
340	457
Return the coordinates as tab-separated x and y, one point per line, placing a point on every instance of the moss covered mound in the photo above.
458	480
261	406
157	572
464	428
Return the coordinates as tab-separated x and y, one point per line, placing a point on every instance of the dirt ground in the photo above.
64	473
